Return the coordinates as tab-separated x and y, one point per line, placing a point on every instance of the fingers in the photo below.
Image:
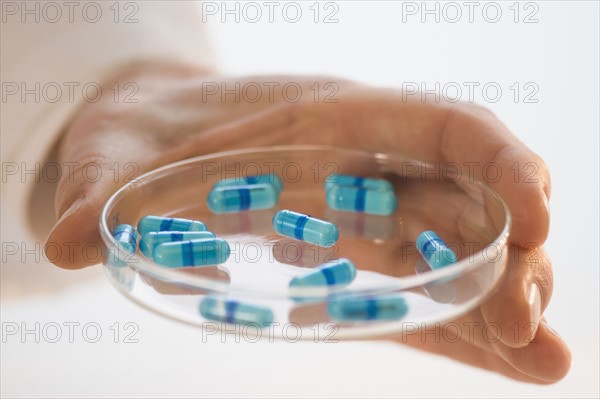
470	354
518	174
547	358
469	137
520	301
509	322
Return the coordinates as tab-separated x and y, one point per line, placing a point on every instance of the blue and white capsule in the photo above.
151	240
126	236
149	223
338	272
357	181
388	307
202	252
361	200
234	312
272	179
305	228
232	199
435	251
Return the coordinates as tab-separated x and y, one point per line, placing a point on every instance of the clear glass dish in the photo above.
471	218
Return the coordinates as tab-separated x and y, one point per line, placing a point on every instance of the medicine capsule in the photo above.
202	252
151	240
357	199
158	223
305	228
356	181
242	198
126	236
272	179
337	272
230	311
435	251
389	307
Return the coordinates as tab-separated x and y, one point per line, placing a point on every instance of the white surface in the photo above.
372	44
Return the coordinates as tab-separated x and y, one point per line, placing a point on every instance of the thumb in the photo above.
96	170
107	144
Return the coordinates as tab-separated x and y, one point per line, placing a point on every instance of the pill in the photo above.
202	252
121	274
435	251
258	179
230	311
356	181
389	307
242	198
305	228
337	272
158	223
126	236
357	199
151	240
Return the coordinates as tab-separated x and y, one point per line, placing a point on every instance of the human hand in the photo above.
175	119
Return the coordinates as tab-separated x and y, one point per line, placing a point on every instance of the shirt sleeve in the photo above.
55	55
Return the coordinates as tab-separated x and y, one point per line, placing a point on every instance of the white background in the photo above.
371	43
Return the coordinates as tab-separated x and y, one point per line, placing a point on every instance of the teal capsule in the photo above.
272	179
356	181
337	272
202	252
231	199
305	228
126	236
357	199
122	274
151	240
148	224
230	311
435	251
388	307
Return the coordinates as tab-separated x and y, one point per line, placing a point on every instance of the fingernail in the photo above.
546	202
74	207
535	303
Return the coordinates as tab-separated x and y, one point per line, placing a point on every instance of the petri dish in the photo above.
471	218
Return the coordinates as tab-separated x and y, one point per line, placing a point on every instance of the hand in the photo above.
175	118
